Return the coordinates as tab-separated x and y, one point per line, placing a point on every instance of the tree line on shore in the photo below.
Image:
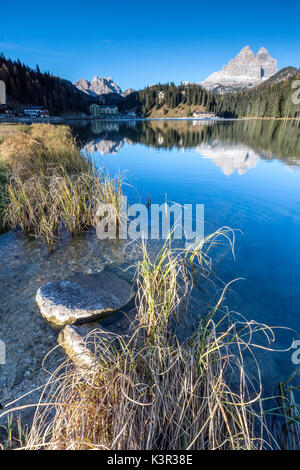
28	86
267	100
172	96
25	85
270	99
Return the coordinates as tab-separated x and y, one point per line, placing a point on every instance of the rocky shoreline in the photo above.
28	337
86	299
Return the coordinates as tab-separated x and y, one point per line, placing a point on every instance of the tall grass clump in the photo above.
52	186
4	178
43	206
41	149
290	410
148	389
14	435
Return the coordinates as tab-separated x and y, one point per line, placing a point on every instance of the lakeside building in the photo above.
99	111
2	92
6	110
131	114
205	115
36	111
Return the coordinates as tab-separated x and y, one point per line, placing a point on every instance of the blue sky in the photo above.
139	43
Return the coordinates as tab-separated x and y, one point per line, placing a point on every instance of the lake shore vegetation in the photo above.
49	185
149	389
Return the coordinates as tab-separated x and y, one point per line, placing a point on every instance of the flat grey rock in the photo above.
96	341
86	345
82	298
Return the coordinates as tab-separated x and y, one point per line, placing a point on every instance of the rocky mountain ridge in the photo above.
98	86
128	92
244	71
283	74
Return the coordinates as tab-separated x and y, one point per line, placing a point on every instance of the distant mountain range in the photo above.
243	72
99	86
248	86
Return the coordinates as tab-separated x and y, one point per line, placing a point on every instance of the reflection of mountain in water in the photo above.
239	142
110	140
230	158
103	146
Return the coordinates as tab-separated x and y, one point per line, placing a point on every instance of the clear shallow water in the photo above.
247	174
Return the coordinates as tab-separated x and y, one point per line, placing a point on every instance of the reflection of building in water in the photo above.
100	126
203	123
96	110
131	123
230	157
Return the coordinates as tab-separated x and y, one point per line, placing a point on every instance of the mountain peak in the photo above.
98	86
245	51
262	50
244	71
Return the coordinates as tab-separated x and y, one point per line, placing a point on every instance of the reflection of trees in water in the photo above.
166	134
270	138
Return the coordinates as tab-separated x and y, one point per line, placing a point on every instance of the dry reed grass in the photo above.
157	392
41	149
53	186
43	206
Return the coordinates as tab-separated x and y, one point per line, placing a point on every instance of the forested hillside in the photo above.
169	96
271	99
27	86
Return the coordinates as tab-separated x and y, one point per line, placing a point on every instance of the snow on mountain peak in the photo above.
244	71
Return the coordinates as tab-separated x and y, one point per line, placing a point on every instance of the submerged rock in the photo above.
87	344
82	298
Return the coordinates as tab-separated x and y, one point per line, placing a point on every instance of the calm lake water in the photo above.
247	174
